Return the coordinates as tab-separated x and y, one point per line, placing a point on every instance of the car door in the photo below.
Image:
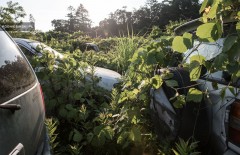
220	95
21	104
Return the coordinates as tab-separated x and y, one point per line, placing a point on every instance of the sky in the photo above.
44	11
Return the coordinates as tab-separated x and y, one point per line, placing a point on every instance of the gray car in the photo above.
22	112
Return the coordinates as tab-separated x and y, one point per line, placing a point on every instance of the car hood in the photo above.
108	77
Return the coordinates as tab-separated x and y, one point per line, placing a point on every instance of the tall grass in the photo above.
125	48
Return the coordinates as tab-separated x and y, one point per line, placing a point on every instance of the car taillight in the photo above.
42	96
234	123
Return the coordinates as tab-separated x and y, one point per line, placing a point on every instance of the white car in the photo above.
215	121
108	78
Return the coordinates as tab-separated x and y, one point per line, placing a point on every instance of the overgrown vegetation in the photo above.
94	121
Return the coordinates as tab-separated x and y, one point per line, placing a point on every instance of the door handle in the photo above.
18	150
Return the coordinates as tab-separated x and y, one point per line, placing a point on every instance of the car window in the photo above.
16	76
28	53
37	45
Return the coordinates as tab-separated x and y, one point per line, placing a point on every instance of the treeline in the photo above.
121	22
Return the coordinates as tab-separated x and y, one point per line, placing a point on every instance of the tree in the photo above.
11	15
154	13
31	18
82	18
78	20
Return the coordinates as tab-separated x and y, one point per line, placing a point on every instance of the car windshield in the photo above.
207	50
35	45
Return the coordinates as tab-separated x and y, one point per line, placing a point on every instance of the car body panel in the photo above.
22	129
108	77
29	122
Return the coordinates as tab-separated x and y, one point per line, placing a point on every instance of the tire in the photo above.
191	121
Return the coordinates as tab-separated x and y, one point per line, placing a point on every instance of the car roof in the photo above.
193	25
23	39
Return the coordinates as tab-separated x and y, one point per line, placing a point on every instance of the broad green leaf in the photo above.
199	58
154	57
208	32
78	96
182	44
77	137
195	73
178	44
180	101
194	95
220	60
233	52
188	40
171	83
228	43
213	11
157	81
195	66
233	67
151	57
159	57
203	6
135	134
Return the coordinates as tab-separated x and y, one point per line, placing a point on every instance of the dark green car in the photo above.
22	113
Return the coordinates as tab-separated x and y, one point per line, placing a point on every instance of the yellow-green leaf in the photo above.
203	6
213	11
208	32
182	44
178	44
194	95
157	81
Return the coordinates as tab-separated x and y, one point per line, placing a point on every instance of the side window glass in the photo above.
16	76
26	51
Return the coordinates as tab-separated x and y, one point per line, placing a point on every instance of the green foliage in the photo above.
93	121
53	136
11	14
186	148
209	32
182	44
125	49
194	95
